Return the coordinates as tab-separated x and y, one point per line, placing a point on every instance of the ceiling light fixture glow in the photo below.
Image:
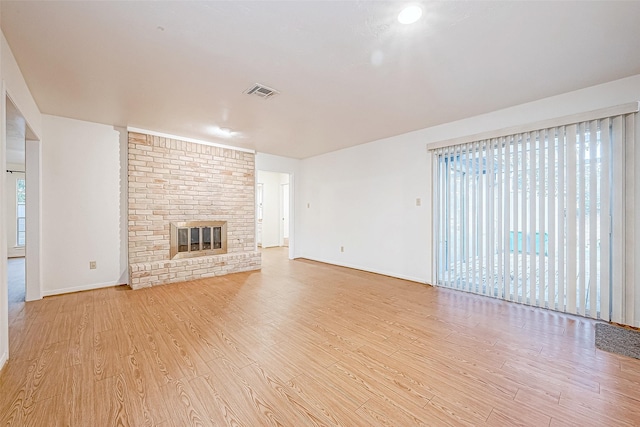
410	14
223	132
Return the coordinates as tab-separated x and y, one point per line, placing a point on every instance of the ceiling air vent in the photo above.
261	90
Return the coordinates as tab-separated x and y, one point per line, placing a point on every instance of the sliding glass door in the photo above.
527	217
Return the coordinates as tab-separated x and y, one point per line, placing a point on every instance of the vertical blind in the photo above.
527	217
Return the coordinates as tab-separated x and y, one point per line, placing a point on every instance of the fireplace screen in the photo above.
198	238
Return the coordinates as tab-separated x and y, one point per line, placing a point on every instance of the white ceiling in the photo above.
347	71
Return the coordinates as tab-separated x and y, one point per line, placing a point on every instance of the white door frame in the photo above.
33	277
4	290
33	255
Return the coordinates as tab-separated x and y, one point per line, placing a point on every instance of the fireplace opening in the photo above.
198	238
206	238
195	239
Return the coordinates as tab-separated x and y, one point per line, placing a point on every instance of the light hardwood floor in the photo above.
307	344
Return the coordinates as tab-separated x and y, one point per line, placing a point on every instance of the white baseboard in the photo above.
3	360
367	269
79	288
269	246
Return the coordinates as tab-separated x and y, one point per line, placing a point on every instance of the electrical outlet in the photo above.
341	248
418	202
92	265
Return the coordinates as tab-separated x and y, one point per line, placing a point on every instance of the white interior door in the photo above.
284	209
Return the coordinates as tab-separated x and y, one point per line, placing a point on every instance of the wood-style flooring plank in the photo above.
77	405
106	357
510	414
246	398
378	412
298	412
145	400
110	407
327	398
81	337
216	405
33	340
183	407
107	314
530	398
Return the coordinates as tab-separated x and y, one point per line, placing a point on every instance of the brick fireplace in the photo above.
186	183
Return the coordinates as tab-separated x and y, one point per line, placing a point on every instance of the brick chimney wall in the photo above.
172	181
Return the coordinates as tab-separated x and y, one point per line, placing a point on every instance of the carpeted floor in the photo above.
616	339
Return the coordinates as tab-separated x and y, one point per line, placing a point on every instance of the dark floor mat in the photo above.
616	339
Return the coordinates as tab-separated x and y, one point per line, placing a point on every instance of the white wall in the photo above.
363	198
11	213
271	163
14	86
80	205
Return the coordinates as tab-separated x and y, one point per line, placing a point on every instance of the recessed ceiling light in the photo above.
410	14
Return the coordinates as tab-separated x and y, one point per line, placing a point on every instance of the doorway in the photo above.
14	198
273	209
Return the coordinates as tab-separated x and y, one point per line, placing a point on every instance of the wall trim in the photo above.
90	287
631	107
3	360
182	138
368	270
